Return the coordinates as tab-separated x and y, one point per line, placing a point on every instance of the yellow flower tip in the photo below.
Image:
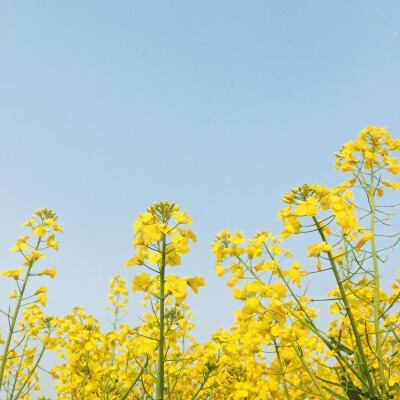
288	198
14	294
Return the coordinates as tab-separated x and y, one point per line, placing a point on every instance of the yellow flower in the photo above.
395	144
238	238
132	261
252	305
394	169
325	247
152	232
28	260
180	244
271	265
288	354
346	167
52	223
334	308
307	207
50	272
196	282
14	294
313	250
42	299
172	258
154	257
51	242
220	270
294	273
40	290
182	218
276	249
364	238
292	226
141	282
177	287
29	222
19	247
393	185
15	273
36	254
316	248
40	230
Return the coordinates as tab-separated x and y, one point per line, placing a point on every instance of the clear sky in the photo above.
221	106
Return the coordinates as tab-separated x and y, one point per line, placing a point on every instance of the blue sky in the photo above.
106	107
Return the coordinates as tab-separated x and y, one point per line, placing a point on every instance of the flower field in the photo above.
276	348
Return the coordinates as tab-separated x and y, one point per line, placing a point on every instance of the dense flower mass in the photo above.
278	346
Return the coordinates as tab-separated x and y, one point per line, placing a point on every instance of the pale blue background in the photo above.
220	106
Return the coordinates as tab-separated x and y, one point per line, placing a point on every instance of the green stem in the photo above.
303	361
282	371
18	369
365	368
161	344
377	314
310	372
125	395
30	373
15	316
201	387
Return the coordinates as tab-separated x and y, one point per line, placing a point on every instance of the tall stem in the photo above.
365	368
376	287
14	320
160	367
30	373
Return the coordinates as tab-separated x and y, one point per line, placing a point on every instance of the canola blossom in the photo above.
277	346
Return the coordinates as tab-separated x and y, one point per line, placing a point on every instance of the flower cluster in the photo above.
29	338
